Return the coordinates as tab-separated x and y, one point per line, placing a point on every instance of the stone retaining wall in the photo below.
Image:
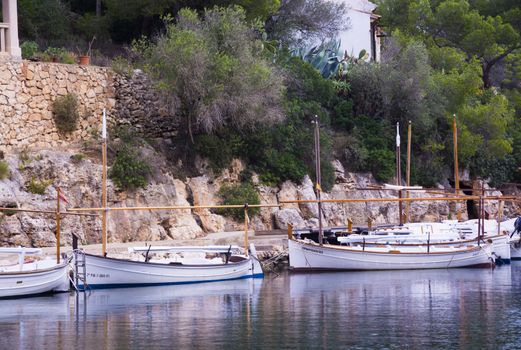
27	91
137	104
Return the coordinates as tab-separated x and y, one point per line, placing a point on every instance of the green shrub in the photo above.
4	170
238	194
10	205
129	171
29	49
37	186
122	66
77	158
217	149
65	113
382	164
67	57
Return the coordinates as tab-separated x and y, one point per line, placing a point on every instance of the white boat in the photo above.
433	233
309	255
31	278
497	232
106	272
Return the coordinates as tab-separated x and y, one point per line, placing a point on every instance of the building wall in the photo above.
358	36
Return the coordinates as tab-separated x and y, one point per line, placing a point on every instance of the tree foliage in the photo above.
458	24
473	60
211	72
298	22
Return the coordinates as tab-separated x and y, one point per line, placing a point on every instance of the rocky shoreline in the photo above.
78	173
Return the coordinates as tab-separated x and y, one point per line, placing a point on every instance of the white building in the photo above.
363	32
9	45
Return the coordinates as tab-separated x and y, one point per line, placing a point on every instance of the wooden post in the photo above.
369	223
400	208
456	168
246	222
499	214
104	186
319	180
399	173
407	204
290	231
349	225
398	162
58	219
480	205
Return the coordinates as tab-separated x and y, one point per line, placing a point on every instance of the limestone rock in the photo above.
305	192
284	217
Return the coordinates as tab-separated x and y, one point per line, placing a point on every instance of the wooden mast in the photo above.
104	185
246	222
399	173
58	221
456	170
407	204
318	180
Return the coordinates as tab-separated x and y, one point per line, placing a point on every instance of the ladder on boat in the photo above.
80	270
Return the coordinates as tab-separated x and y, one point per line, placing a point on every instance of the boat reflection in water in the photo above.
38	322
440	309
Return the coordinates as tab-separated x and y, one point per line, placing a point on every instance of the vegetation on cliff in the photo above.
230	79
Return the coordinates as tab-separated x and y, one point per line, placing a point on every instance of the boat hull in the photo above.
103	272
311	256
25	283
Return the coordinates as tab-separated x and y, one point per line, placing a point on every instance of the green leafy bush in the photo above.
65	113
218	149
4	170
29	49
129	170
234	85
37	186
77	158
10	205
122	65
238	194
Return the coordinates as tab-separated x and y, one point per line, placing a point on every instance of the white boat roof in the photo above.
184	249
20	250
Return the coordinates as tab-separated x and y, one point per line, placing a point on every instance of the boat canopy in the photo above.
20	250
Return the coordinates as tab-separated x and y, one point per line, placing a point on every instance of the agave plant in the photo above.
328	60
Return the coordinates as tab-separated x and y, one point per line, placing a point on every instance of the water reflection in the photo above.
459	308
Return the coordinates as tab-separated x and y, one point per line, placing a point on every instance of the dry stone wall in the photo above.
137	104
27	92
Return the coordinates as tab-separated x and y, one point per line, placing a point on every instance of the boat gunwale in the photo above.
230	263
434	244
49	269
350	249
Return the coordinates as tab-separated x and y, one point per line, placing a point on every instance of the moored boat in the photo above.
106	272
309	255
35	277
435	233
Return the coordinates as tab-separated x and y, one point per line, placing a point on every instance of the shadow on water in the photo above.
441	309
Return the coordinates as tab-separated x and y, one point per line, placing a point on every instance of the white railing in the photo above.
4	27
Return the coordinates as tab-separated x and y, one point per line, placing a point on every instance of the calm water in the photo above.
445	309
